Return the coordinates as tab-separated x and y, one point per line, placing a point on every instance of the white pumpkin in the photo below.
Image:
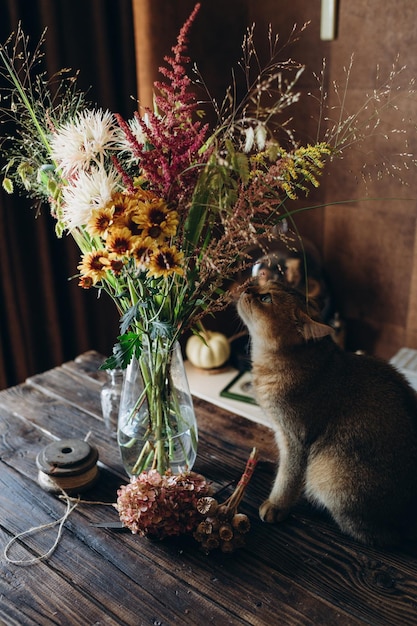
213	352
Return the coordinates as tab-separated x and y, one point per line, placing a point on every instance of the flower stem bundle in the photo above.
223	526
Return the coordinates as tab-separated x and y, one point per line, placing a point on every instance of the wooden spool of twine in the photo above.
68	465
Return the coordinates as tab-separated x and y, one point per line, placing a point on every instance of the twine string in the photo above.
71	505
58	485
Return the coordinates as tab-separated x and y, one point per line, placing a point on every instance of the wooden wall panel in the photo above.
368	256
369	248
214	43
411	325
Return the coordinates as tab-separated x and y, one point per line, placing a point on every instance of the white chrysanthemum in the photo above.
88	191
84	141
137	129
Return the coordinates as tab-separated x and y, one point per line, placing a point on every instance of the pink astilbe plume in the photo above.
126	178
174	139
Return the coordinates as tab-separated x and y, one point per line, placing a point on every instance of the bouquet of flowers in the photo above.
163	207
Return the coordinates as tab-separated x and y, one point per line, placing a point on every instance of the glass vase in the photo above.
110	400
157	427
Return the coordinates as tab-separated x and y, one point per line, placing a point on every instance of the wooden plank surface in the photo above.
300	572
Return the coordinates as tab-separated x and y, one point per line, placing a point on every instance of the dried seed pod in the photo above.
214	521
226	532
223	512
207	505
241	522
227	546
204	528
199	536
211	542
223	527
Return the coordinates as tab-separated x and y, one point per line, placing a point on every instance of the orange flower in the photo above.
129	220
141	253
119	203
156	220
113	263
86	282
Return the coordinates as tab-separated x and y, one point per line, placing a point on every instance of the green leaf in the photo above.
195	222
129	345
131	315
241	166
59	229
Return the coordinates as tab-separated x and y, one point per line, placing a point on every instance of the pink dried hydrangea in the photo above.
158	506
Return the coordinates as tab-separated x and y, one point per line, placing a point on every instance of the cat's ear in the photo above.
310	329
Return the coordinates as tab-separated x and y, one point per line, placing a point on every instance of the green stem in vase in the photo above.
159	432
144	458
154	364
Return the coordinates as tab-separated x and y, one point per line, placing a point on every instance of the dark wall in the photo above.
368	245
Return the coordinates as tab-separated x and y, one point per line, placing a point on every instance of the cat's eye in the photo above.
265	297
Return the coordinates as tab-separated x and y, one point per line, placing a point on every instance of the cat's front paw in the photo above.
271	513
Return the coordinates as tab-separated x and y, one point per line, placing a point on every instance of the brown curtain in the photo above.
45	318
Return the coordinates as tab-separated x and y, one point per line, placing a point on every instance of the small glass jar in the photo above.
110	400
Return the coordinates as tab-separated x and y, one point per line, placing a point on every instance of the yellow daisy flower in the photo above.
93	266
86	282
157	221
128	209
119	241
142	254
127	204
129	220
120	203
141	196
113	263
100	221
166	261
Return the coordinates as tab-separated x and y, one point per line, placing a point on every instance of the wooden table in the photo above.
300	572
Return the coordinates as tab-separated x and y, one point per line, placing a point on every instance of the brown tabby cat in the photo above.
345	424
